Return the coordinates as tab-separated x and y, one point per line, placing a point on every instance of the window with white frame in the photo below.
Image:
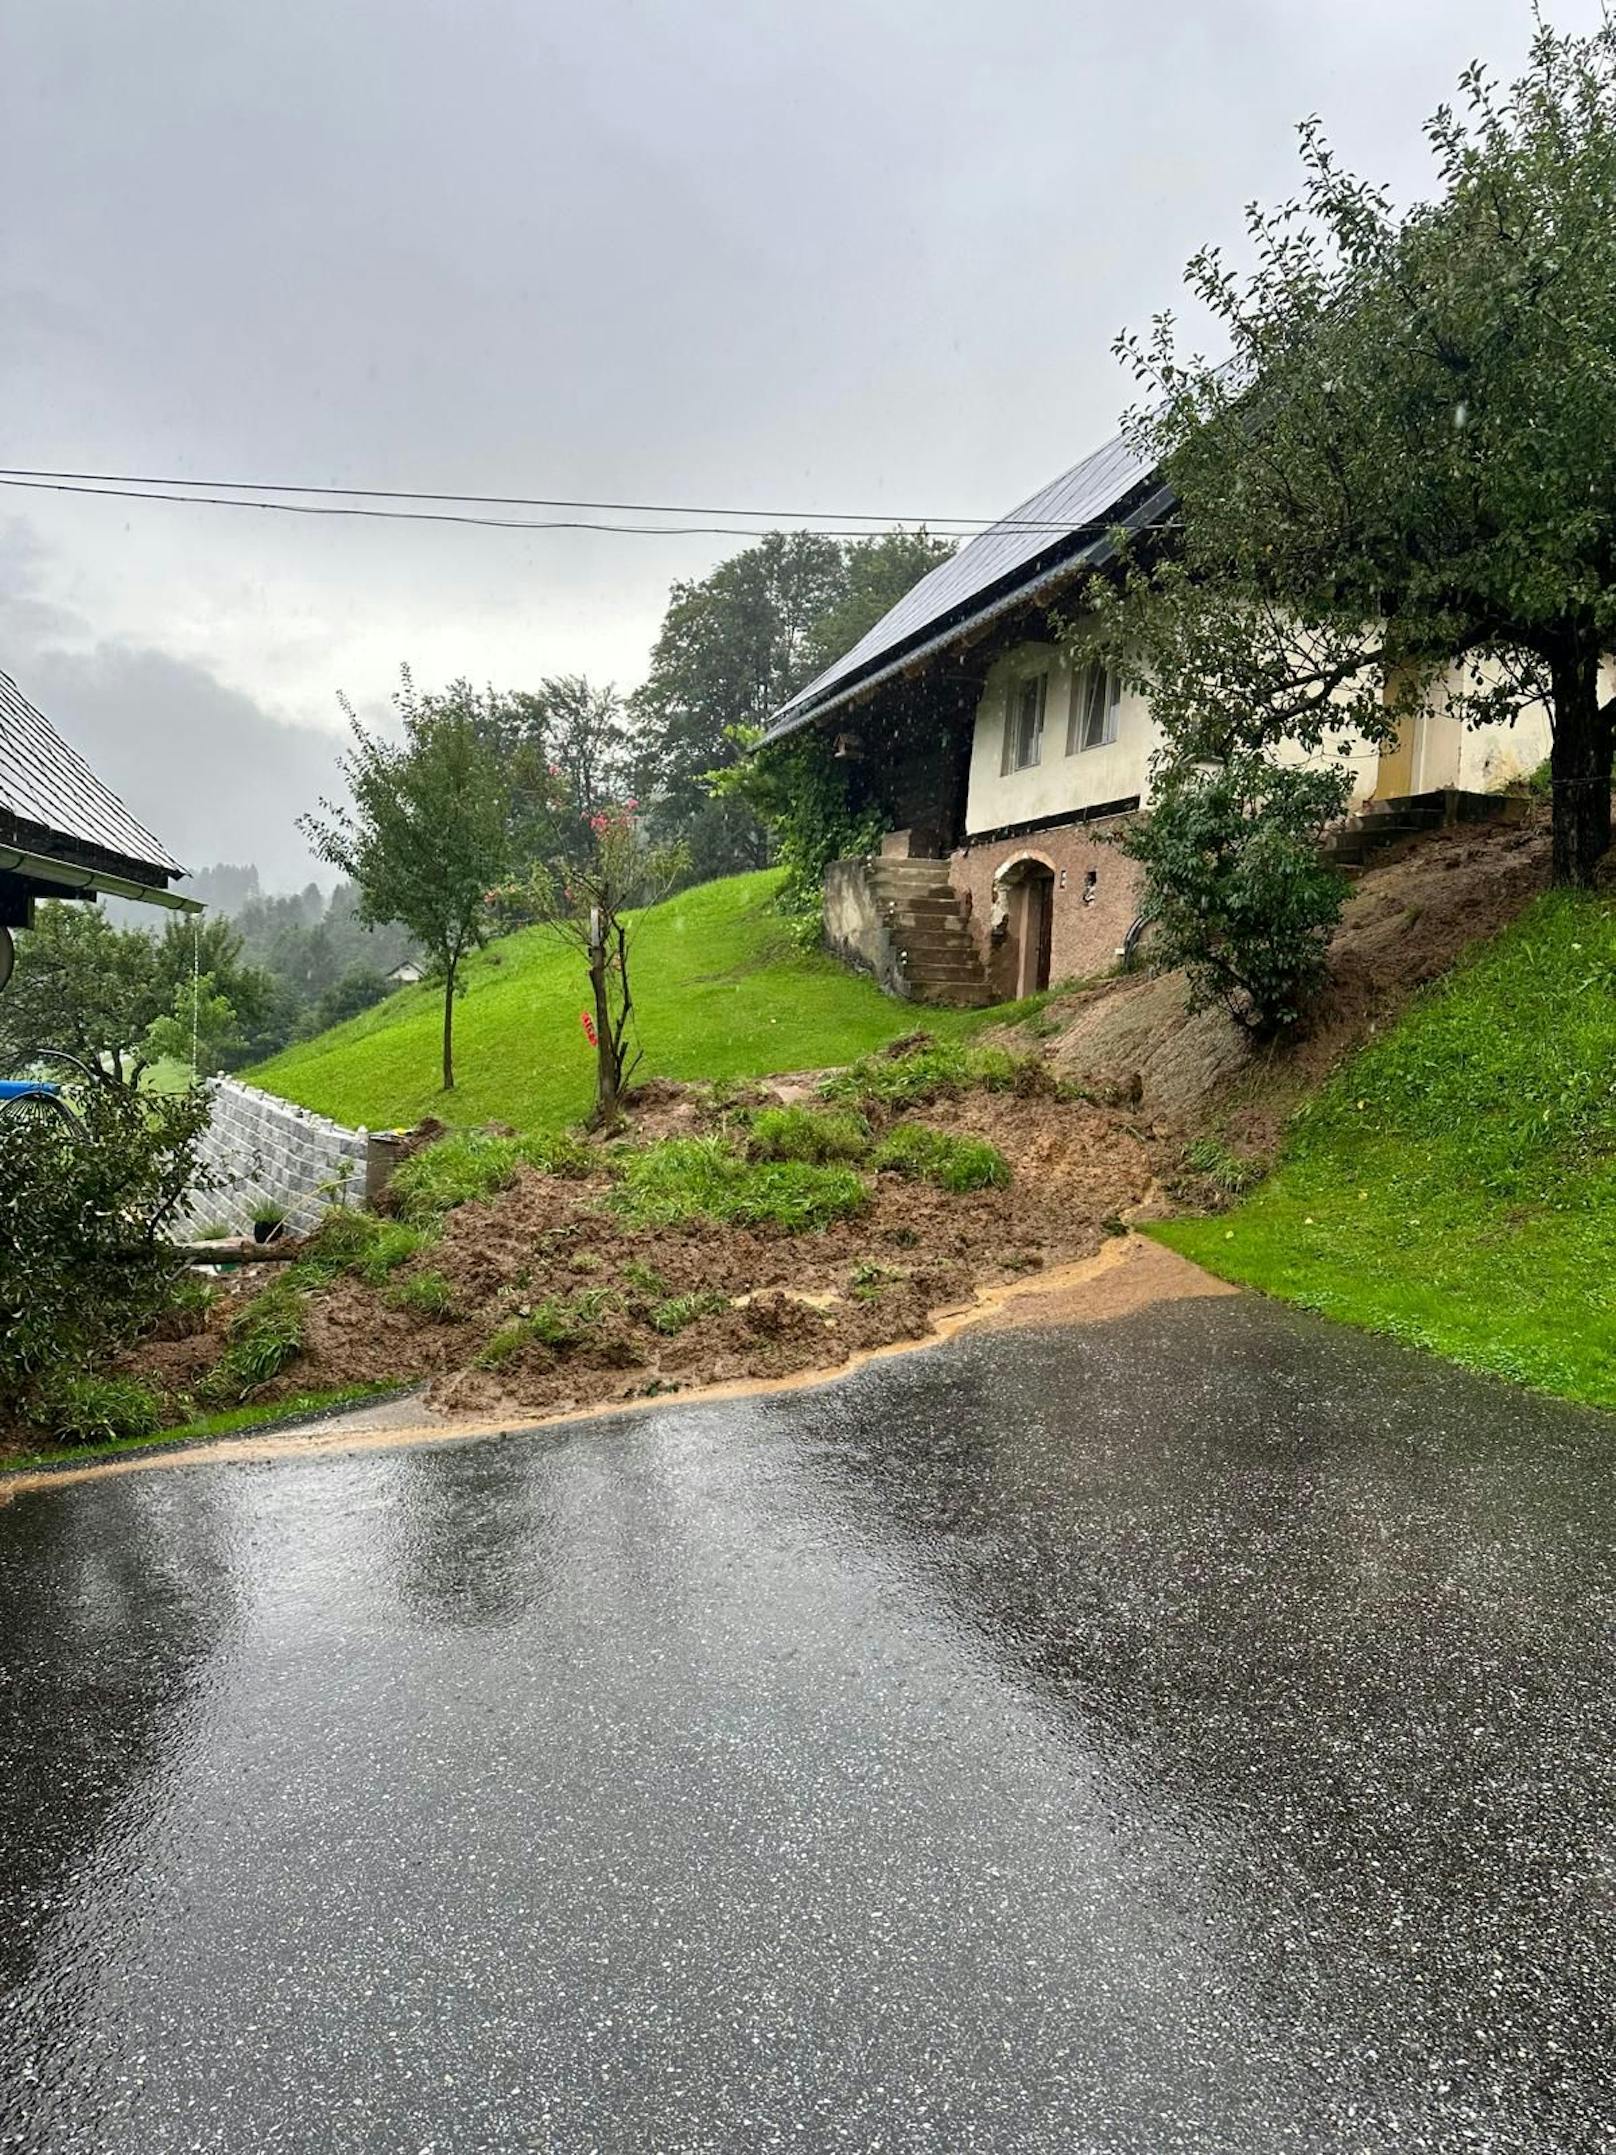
1024	723
1096	706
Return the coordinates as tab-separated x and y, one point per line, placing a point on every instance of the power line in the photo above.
340	500
486	501
404	516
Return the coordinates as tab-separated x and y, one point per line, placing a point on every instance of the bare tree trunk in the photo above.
449	971
608	1076
1580	767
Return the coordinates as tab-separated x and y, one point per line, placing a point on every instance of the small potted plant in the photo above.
268	1222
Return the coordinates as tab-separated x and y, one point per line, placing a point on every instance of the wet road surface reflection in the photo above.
1192	1732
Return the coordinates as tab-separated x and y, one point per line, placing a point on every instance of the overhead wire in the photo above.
350	502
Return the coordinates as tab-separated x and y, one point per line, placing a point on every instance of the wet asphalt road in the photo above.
1192	1732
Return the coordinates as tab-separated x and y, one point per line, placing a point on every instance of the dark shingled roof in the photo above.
1061	527
50	790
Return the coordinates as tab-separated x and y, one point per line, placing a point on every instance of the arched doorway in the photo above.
1026	888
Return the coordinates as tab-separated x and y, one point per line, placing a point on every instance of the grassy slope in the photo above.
720	994
1456	1184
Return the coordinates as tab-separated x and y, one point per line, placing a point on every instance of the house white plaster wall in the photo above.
1061	784
1058	784
1446	752
1349	748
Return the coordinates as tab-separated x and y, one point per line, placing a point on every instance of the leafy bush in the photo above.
261	1340
465	1165
952	1163
98	1410
1236	887
694	1179
84	1268
815	804
804	1133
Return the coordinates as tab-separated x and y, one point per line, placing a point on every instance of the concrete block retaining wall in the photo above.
266	1151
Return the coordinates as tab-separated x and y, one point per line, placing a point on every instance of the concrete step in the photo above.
936	949
926	916
954	998
937	958
908	894
943	954
925	908
1400	822
938	976
915	894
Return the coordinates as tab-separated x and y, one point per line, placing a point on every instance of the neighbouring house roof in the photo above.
60	825
1054	534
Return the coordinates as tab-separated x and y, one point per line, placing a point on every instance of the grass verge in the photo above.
303	1406
1455	1185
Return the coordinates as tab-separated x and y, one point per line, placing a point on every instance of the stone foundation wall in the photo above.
855	928
268	1152
1086	938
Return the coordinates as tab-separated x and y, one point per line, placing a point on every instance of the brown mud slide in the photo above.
1124	1276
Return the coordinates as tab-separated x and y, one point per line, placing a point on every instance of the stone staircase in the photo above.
929	931
1353	844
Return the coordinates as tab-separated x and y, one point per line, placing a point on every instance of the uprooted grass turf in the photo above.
1455	1185
719	989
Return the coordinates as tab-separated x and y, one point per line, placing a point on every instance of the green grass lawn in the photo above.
1456	1184
720	993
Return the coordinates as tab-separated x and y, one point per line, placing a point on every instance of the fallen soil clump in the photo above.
543	1297
1407	920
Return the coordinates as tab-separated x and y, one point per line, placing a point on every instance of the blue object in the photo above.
27	1089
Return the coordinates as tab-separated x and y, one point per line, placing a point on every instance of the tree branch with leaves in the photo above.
430	830
1401	474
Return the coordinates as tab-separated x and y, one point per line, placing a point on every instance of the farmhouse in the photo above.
62	833
1000	766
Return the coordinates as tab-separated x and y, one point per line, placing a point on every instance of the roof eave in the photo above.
1022	591
74	879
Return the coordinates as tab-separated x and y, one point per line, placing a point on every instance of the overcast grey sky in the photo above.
803	254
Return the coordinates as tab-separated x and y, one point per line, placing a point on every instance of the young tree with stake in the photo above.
591	904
